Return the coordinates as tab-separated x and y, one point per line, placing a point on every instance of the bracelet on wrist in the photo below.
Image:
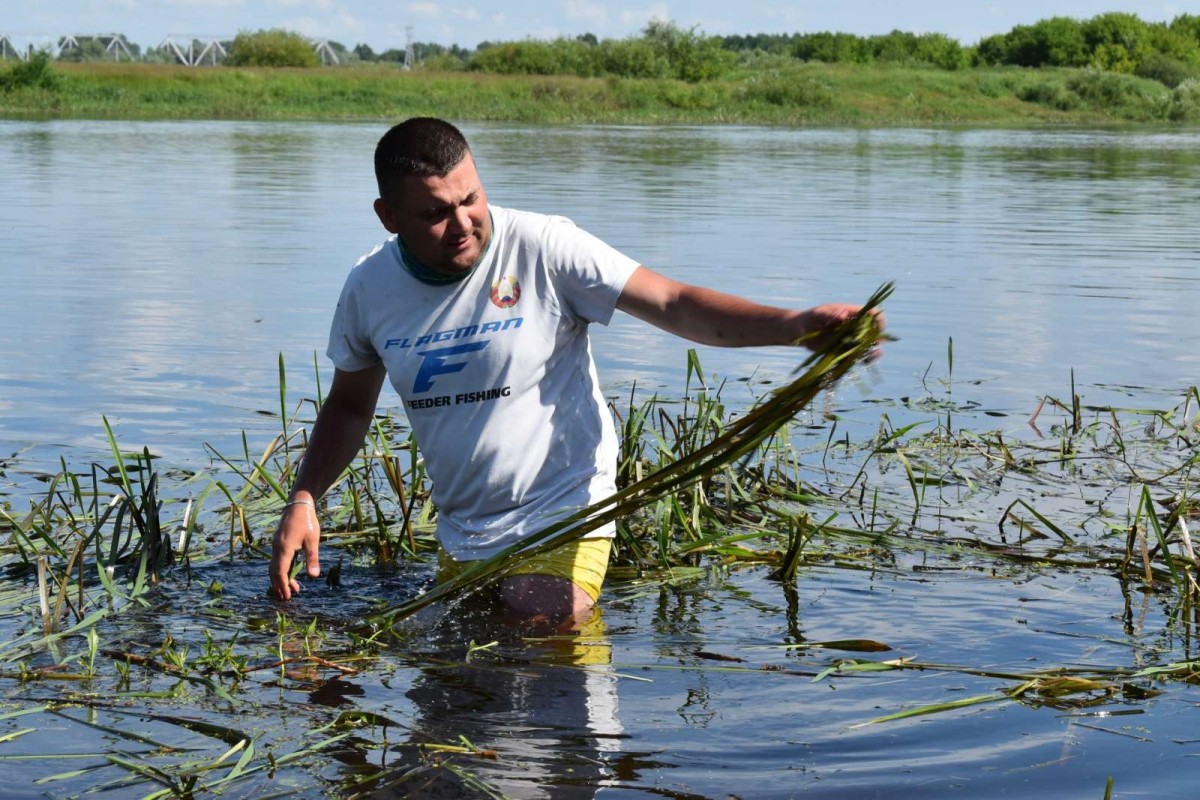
300	502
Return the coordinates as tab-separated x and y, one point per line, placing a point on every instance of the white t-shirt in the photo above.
496	374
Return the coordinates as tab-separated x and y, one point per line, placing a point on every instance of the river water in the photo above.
153	272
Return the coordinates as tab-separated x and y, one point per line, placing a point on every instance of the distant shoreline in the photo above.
807	94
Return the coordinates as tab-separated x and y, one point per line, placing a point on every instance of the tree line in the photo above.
1113	42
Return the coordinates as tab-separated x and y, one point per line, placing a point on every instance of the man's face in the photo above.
444	221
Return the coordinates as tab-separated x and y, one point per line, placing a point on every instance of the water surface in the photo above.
153	273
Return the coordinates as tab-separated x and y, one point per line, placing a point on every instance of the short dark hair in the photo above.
421	147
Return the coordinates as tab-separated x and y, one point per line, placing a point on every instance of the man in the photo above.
479	316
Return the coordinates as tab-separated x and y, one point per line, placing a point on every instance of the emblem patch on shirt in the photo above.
506	292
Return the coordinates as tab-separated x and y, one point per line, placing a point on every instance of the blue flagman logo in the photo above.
437	362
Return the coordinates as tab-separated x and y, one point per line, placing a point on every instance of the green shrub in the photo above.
788	91
1053	42
996	85
692	56
443	62
1188	26
1166	70
832	48
939	50
1105	89
664	51
1115	28
1174	43
690	97
634	58
533	57
897	46
1051	94
34	73
272	48
1184	102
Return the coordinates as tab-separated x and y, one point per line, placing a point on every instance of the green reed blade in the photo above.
317	375
126	761
75	773
8	737
26	711
130	735
936	708
1054	528
116	451
1152	515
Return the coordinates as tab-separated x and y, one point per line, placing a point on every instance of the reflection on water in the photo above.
544	714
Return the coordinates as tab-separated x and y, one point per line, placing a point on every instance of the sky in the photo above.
468	22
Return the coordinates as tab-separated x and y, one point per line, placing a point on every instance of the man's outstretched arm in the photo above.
336	436
710	317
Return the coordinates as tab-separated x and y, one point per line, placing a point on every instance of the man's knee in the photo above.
533	595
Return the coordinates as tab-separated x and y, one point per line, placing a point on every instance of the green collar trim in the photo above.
432	277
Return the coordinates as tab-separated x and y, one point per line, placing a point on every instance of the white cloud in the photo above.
351	24
471	14
499	19
789	17
638	17
306	26
591	13
317	5
204	4
425	9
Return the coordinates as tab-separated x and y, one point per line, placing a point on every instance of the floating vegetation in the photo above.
135	612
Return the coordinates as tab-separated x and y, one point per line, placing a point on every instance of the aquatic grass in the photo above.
1102	482
361	505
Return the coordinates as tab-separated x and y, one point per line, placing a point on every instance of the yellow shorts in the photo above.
583	562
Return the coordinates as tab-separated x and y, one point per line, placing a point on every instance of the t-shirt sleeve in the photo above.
588	274
350	349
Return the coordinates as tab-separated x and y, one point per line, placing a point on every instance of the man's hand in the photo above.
298	529
818	319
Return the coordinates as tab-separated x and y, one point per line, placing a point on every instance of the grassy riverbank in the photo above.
776	93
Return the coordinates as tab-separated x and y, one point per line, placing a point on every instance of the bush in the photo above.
442	62
634	58
692	56
1188	26
897	46
532	57
1184	102
1105	89
1048	93
832	48
512	58
1166	70
35	73
1054	42
996	86
1115	28
788	91
272	48
1177	44
939	50
664	51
